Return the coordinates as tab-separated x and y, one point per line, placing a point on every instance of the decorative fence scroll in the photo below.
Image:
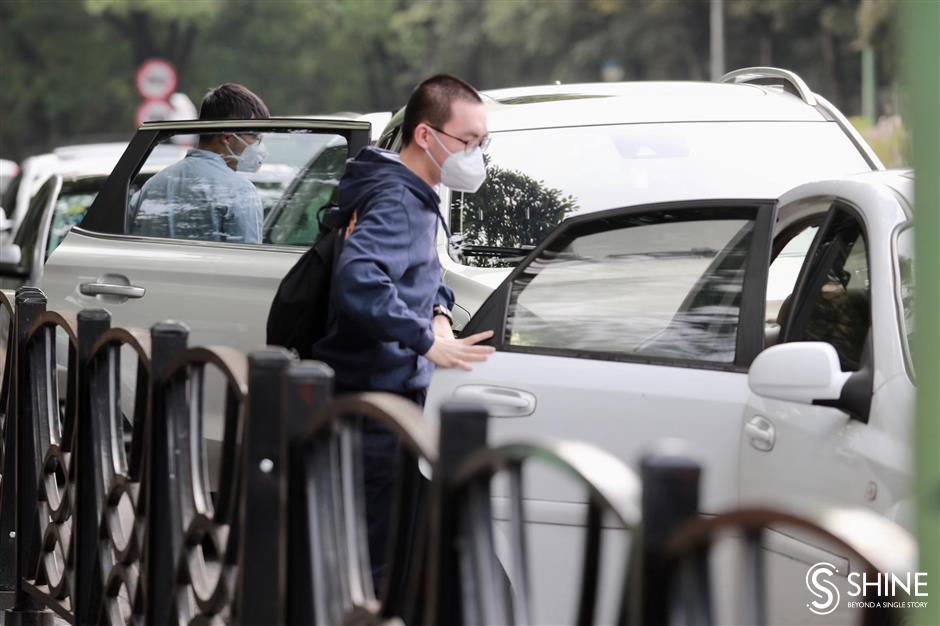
112	448
330	563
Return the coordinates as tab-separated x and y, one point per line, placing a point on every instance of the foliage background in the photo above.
67	66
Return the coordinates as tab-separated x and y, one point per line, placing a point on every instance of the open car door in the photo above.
181	251
622	328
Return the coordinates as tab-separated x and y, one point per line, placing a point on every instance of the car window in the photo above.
296	220
70	208
905	265
222	188
837	307
536	178
648	290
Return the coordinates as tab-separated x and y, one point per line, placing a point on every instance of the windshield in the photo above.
70	208
537	178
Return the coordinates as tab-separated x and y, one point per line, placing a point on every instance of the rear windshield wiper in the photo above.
495	251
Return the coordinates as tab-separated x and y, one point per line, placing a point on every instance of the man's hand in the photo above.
449	352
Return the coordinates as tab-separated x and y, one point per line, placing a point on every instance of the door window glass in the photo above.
785	269
837	309
296	221
653	288
236	186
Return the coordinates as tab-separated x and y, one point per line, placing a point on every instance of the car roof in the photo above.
552	106
73	162
900	180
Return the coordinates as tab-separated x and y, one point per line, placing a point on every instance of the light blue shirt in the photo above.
198	197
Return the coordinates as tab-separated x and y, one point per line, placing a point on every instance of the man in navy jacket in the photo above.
389	321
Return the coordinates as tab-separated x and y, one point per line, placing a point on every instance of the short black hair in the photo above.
231	101
431	101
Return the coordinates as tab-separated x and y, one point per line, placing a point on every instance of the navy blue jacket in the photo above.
386	278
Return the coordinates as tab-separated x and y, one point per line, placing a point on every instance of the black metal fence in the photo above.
108	518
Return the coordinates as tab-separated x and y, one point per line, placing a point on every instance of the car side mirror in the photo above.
807	372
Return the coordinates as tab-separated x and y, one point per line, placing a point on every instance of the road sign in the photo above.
156	79
154	111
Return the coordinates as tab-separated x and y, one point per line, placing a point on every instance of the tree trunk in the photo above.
831	63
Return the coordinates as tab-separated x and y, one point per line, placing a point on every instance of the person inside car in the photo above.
201	196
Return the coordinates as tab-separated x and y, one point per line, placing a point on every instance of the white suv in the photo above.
563	150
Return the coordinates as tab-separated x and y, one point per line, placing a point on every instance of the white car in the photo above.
65	186
36	170
632	326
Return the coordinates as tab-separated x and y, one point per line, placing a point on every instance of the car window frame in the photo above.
494	312
109	213
902	329
812	269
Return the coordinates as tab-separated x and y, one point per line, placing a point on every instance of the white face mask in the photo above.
252	156
461	171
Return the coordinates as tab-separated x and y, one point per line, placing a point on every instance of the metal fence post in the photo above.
162	542
8	570
30	304
92	323
463	430
262	549
670	498
308	388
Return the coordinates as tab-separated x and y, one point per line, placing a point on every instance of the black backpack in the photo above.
298	315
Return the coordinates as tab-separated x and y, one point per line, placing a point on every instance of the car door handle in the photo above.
501	401
108	289
761	433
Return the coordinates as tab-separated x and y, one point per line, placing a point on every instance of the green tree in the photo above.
156	28
68	67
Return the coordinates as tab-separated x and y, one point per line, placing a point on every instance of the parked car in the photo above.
8	171
634	325
563	150
72	181
36	170
559	149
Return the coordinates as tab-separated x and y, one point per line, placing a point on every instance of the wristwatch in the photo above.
442	310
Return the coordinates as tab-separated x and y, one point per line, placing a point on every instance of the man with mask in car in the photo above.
201	196
389	321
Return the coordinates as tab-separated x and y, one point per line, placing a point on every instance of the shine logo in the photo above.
823	589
